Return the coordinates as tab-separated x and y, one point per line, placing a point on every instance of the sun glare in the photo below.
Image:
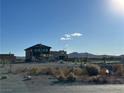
116	6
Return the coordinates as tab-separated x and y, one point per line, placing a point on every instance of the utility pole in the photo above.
104	59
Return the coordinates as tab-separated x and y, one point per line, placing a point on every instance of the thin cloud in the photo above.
76	34
67	35
70	36
65	38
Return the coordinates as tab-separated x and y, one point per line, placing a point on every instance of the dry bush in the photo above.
93	69
69	74
64	74
71	77
77	71
25	70
46	70
84	71
103	72
66	70
60	76
33	71
20	70
97	79
41	70
80	71
56	71
92	78
118	69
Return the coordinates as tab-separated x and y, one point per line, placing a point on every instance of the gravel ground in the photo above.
13	83
42	84
83	89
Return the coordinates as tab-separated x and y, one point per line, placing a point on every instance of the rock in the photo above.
27	78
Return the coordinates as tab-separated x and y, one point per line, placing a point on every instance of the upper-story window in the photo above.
44	50
37	50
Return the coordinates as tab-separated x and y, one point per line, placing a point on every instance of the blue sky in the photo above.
57	22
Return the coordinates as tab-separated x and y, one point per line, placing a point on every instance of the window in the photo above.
37	50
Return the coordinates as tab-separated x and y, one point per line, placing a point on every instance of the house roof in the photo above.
38	45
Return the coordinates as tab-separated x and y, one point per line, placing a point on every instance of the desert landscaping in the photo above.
65	74
54	76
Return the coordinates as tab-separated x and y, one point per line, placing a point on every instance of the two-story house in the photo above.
38	52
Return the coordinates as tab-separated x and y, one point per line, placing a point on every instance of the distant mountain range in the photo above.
89	55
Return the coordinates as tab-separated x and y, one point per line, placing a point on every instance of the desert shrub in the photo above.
20	70
84	71
77	71
33	71
25	70
92	79
71	77
103	72
59	74
49	71
97	79
17	71
118	69
64	74
102	80
93	69
66	70
46	70
107	66
61	78
80	71
56	72
41	70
